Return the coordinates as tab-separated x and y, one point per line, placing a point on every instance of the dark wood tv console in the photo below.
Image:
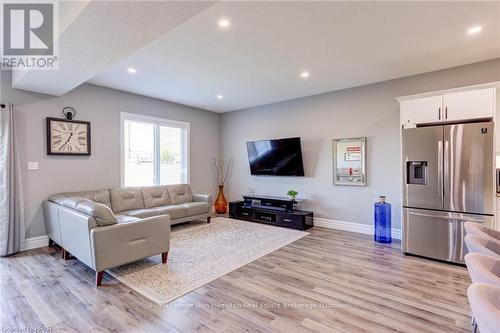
276	211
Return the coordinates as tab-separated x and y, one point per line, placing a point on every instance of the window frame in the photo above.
124	116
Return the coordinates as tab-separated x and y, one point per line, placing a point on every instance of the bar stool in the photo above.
478	244
484	300
477	229
483	268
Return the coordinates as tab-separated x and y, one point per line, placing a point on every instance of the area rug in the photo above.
202	254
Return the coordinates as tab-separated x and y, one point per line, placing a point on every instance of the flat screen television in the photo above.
279	157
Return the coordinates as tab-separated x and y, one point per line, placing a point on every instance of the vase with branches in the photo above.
221	169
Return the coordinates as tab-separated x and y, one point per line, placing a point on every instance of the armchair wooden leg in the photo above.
164	257
209	218
65	254
98	278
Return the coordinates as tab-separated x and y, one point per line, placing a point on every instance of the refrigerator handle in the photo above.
440	188
447	175
439	113
465	219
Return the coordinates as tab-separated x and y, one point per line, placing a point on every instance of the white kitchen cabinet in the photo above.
422	110
473	104
448	106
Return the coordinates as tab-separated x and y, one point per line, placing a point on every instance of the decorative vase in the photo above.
382	217
221	203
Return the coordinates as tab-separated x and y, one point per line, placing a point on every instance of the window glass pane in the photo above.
139	153
155	151
172	164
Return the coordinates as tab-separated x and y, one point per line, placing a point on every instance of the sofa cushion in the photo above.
142	213
101	213
180	193
196	208
100	196
71	202
155	196
126	198
126	219
175	211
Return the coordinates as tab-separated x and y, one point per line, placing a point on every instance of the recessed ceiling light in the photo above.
220	97
131	70
223	23
474	30
304	74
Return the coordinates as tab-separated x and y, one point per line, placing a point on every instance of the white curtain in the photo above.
12	234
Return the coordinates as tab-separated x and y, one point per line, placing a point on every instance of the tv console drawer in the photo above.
245	214
290	221
265	217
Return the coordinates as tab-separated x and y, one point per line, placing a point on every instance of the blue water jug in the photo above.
382	216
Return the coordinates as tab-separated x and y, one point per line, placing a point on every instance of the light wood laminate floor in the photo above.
328	281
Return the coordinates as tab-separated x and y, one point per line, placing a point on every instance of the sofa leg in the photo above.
209	218
98	278
65	254
164	257
51	242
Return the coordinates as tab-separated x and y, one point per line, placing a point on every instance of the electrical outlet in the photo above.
32	165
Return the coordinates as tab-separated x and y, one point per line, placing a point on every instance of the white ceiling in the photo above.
94	35
257	60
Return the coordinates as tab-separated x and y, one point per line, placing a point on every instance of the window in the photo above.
154	151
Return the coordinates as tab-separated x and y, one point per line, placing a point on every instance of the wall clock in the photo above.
68	137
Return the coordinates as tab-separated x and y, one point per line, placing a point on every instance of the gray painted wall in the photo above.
102	107
370	111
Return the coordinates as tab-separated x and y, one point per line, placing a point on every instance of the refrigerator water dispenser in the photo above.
416	172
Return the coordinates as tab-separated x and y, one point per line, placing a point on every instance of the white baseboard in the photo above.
41	241
366	229
35	242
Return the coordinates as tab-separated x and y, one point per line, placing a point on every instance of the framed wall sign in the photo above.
349	161
68	137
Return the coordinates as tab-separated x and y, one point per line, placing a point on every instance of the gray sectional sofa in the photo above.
108	228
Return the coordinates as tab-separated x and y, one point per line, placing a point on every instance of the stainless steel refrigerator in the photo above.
448	176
